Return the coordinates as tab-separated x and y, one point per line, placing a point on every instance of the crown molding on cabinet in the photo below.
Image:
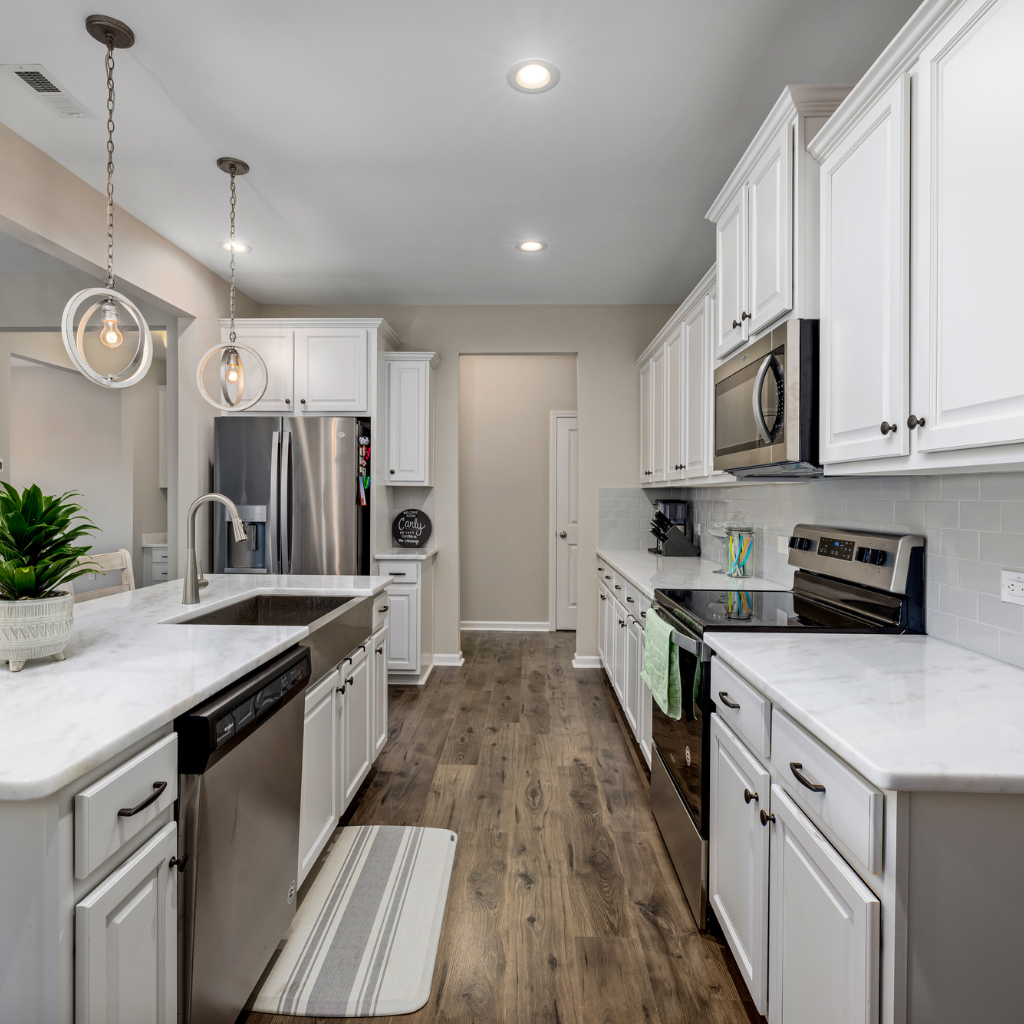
898	57
409	354
802	100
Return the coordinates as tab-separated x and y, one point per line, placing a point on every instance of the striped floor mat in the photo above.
364	941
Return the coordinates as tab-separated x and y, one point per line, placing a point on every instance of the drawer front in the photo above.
100	831
317	691
380	610
404	572
632	600
602	568
159	556
619	587
849	806
606	575
753	718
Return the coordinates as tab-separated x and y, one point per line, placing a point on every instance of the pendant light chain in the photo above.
110	161
234	198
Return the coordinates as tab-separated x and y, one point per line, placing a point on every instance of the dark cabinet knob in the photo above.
913	421
178	862
391	471
887	428
302	401
766	817
735	324
287	401
746	316
748	796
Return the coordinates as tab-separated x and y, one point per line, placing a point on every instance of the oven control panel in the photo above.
878	560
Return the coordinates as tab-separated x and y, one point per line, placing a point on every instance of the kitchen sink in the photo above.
337	625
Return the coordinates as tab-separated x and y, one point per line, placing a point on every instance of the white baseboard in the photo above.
509	627
450	660
411	678
587	661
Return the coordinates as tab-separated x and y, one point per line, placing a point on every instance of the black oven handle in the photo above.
759	420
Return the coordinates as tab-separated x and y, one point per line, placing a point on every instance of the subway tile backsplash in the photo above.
973	528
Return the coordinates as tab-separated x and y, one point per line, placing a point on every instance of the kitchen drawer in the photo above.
404	572
619	587
849	806
316	692
632	600
100	831
158	556
380	610
606	574
753	718
602	568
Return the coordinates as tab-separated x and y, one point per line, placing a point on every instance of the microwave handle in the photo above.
759	421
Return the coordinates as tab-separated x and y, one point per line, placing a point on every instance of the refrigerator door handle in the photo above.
273	565
286	501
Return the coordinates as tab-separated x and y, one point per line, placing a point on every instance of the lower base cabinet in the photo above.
356	758
318	810
126	940
379	691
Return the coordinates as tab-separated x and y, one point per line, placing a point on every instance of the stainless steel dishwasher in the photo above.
240	760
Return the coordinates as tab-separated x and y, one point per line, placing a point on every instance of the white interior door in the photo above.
566	519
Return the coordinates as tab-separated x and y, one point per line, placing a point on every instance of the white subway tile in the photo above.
976	636
945	514
1011	648
979	576
980	515
959	544
955	601
1006	549
1013	516
963	488
1003	486
997	613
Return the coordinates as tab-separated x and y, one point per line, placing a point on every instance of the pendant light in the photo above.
232	376
115	35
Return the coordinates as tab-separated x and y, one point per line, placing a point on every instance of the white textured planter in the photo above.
35	629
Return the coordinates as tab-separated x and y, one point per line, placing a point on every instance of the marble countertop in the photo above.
405	554
646	571
907	712
130	669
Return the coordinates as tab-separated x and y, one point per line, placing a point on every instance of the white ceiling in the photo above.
392	163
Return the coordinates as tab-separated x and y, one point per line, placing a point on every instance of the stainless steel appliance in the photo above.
847	581
296	483
766	405
240	761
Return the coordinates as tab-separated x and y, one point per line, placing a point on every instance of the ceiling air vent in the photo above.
41	82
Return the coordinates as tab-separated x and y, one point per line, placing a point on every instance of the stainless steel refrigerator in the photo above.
300	488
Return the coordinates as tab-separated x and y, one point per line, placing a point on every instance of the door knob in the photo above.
913	421
887	428
563	534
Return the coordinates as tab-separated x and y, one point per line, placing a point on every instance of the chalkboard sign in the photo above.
411	528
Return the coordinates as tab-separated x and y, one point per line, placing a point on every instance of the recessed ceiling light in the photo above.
531	245
236	246
533	75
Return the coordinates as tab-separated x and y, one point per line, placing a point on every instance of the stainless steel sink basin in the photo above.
337	625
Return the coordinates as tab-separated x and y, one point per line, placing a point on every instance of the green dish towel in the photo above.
661	666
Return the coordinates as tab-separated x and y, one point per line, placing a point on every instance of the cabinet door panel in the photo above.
969	377
318	806
865	348
658	418
619	652
824	929
646	711
379	692
602	624
126	951
275	346
403	628
731	245
331	370
646	417
355	753
738	856
697	392
676	405
407	422
770	242
631	679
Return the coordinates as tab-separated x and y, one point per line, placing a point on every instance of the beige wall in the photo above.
44	204
505	404
607	341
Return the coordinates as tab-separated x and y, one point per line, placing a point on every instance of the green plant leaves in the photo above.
38	534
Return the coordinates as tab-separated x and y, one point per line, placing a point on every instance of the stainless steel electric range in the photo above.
847	581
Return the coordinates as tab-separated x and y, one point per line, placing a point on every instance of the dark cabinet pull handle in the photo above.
814	787
383	607
643	615
127	812
603	598
380	650
766	817
723	696
398	574
362	647
617	587
914	421
748	796
887	428
607	577
629	600
178	862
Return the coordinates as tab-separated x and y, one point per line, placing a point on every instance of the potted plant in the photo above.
39	558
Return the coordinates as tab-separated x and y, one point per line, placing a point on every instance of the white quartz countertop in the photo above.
907	712
128	671
646	571
405	554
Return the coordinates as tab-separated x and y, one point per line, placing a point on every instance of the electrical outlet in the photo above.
783	545
1011	589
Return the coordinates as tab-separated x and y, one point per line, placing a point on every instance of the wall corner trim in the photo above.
449	660
586	661
507	627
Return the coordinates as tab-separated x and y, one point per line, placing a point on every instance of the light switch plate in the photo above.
1011	589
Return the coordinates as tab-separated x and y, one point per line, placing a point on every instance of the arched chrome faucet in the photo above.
194	582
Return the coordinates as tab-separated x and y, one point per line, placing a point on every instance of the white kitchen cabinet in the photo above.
738	855
659	388
765	221
379	691
604	610
403	627
631	677
824	936
356	756
646	418
275	344
676	407
645	711
697	446
865	287
319	807
126	951
409	451
619	630
331	370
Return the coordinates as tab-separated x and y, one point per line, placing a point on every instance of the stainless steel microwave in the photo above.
766	405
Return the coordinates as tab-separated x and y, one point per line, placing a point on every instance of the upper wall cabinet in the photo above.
766	221
920	368
316	367
409	390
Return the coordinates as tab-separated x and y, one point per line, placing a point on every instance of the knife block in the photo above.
678	545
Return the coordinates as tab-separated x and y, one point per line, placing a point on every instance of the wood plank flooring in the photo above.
564	906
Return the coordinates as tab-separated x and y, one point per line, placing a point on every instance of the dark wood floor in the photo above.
564	906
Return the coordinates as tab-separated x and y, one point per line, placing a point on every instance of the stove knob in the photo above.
863	555
794	542
806	543
880	557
